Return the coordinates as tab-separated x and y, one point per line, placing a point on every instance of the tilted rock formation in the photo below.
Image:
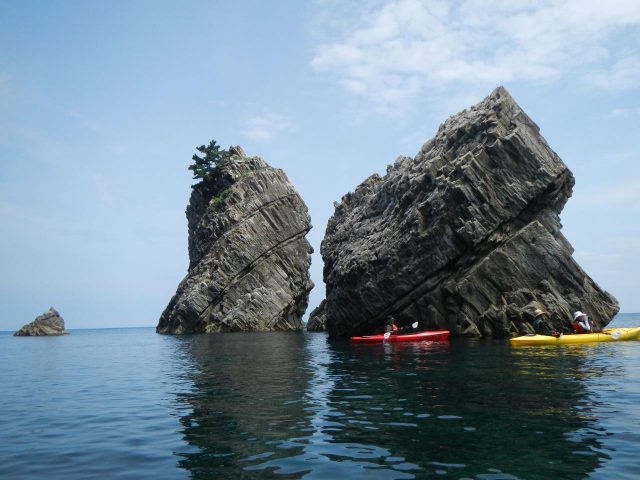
318	319
48	324
465	236
249	259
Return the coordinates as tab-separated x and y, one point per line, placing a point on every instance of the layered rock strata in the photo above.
249	258
48	324
318	319
465	236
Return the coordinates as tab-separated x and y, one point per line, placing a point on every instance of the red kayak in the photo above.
429	336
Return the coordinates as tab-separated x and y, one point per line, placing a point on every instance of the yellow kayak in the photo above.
607	335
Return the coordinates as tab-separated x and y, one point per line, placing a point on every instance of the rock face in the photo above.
465	236
48	324
318	319
249	259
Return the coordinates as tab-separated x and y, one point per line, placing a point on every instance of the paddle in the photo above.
614	335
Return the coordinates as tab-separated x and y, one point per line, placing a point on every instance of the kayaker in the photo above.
540	322
542	325
581	323
391	326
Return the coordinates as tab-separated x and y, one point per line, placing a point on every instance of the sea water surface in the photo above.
127	403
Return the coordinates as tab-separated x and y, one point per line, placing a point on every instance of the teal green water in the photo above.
132	404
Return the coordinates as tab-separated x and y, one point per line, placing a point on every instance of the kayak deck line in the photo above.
429	335
607	335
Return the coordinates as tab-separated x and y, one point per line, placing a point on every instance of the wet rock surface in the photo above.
249	258
48	324
465	236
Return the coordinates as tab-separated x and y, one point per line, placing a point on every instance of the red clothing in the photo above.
578	326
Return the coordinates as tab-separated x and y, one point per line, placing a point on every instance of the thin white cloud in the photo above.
618	247
628	193
624	113
589	256
7	209
623	74
4	86
264	127
392	51
87	123
103	192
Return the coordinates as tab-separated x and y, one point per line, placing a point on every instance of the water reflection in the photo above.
474	408
323	452
286	405
247	395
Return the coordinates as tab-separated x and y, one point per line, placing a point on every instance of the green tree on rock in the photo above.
213	156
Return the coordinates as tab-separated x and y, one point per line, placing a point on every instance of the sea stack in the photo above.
248	256
465	236
48	324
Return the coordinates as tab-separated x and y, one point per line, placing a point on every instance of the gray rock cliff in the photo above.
318	319
248	256
465	236
48	324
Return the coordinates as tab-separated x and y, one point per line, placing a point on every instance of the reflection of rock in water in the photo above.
247	394
467	409
281	405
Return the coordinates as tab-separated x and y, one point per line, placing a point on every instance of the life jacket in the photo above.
578	328
394	327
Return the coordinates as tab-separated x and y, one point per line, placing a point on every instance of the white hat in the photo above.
578	314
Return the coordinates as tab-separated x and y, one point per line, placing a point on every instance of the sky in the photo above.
103	103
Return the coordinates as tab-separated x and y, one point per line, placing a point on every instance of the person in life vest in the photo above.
391	326
581	323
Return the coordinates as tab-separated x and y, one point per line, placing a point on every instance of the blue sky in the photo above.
102	104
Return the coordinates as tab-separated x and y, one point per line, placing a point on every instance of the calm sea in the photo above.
127	403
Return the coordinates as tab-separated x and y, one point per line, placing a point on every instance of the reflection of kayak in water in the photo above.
432	336
607	335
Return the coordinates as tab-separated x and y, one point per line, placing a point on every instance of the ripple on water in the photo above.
132	404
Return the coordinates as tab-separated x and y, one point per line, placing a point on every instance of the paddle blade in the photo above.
616	335
387	335
414	325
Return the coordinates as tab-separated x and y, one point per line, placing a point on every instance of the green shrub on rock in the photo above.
203	167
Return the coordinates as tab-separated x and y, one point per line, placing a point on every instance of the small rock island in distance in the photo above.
248	256
464	237
49	323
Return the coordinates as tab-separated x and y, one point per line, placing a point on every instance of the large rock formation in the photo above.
465	236
48	324
249	259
